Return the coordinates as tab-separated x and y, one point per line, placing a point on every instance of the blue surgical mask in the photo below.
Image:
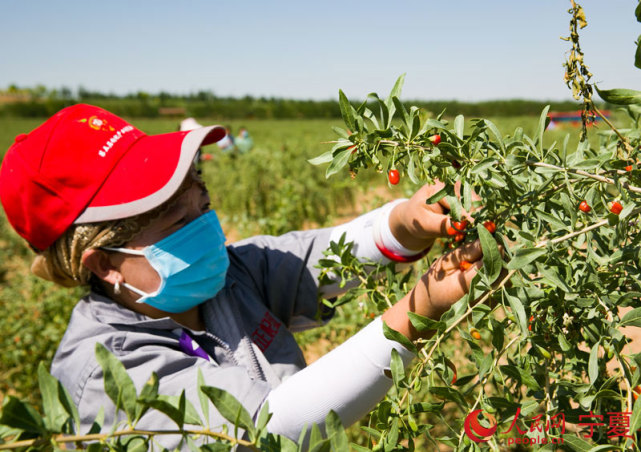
192	264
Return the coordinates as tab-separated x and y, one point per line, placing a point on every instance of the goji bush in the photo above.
526	349
541	322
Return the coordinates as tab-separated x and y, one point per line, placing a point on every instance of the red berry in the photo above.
456	164
628	168
616	207
636	391
459	237
435	139
490	226
529	327
205	157
393	176
459	225
584	207
475	334
451	231
464	265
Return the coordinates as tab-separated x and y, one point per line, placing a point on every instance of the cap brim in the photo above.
148	174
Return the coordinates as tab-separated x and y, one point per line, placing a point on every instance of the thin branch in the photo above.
623	139
150	433
603	179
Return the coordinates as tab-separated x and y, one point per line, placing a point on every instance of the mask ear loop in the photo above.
117	288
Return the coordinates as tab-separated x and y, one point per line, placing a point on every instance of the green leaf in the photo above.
593	363
148	392
635	418
620	96
426	407
406	116
118	385
543	119
524	256
499	138
632	318
637	54
224	447
397	369
449	394
95	447
263	417
202	398
528	380
316	441
411	169
394	335
98	422
398	87
552	220
347	111
55	413
442	193
577	444
467	195
341	132
336	432
517	307
604	447
168	407
455	206
483	166
391	440
492	262
340	160
424	323
323	158
230	408
20	415
459	126
552	277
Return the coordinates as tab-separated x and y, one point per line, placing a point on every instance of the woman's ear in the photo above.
98	262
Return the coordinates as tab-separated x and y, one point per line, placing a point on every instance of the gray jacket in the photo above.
247	349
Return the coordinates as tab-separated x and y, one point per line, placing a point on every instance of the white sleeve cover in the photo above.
349	380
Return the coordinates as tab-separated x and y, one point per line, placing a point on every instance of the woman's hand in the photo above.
416	224
443	285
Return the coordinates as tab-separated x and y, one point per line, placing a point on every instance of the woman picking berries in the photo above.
125	214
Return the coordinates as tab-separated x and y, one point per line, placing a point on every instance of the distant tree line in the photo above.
40	101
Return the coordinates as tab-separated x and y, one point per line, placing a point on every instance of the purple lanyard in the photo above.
191	347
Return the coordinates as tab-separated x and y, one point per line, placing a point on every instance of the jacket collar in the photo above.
107	311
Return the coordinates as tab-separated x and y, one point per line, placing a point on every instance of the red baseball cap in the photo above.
85	165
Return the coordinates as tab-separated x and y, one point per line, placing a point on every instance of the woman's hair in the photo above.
62	261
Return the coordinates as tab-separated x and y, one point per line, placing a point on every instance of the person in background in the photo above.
244	142
226	144
125	215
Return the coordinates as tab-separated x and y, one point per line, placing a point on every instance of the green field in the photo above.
270	190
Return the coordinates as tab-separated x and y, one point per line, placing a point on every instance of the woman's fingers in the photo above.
465	276
469	252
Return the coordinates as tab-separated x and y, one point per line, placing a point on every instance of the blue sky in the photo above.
465	50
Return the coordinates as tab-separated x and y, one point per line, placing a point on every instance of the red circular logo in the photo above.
475	431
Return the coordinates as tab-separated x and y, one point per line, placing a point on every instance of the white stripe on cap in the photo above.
189	147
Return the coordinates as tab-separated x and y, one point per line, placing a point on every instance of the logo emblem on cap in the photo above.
97	123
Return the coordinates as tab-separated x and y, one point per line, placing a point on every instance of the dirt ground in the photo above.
632	332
